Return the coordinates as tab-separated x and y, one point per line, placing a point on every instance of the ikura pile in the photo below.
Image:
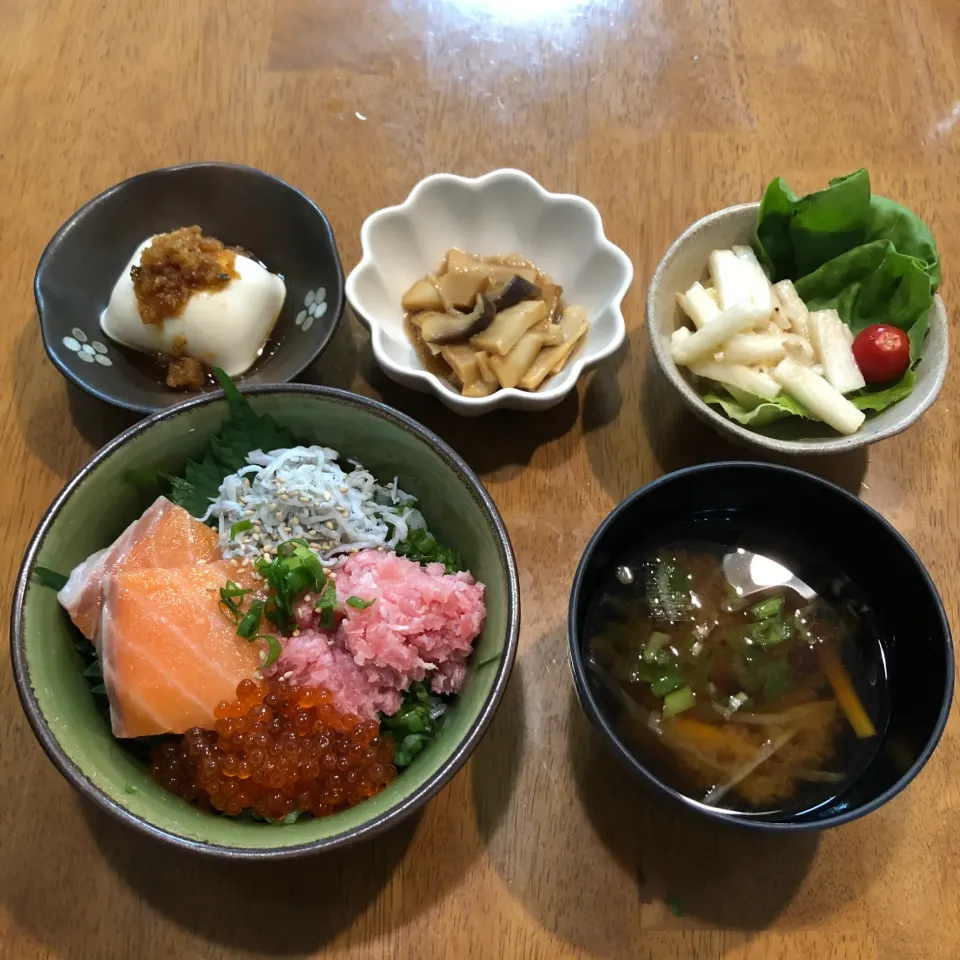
278	750
289	637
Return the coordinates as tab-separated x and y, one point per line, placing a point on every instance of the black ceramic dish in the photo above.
826	521
238	205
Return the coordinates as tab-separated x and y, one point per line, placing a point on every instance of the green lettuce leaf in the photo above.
872	283
795	235
756	412
907	232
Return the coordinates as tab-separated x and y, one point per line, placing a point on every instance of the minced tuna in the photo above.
421	626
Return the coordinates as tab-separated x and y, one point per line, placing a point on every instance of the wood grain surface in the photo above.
658	111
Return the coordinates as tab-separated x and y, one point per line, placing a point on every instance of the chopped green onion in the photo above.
678	701
273	648
49	578
670	679
767	608
229	595
653	645
250	624
326	606
358	603
239	527
773	631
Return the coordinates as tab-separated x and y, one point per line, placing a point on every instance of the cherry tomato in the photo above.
882	353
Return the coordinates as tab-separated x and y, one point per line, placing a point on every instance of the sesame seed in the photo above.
272	506
279	516
288	675
283	496
296	633
263	654
308	597
329	524
332	575
248	513
304	499
257	523
326	494
288	529
343	489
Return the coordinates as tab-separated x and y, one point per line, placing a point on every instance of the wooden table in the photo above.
659	112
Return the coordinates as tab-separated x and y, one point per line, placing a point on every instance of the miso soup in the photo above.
737	682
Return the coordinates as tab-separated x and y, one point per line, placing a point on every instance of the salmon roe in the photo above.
277	749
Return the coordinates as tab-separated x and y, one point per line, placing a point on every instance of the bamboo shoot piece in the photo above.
509	326
462	361
552	333
707	340
822	400
698	306
486	371
478	388
517	362
551	360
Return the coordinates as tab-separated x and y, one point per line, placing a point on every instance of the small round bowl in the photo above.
685	263
238	205
100	501
504	212
917	644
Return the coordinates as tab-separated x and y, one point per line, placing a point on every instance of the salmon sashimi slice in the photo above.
165	536
169	655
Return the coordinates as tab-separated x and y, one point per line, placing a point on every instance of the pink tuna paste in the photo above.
421	626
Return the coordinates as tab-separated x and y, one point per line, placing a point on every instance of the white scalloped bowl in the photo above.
504	212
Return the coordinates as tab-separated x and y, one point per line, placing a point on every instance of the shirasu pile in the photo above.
303	492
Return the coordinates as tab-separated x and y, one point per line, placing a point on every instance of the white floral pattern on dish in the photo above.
315	303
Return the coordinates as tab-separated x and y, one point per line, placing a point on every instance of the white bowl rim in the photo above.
732	429
504	396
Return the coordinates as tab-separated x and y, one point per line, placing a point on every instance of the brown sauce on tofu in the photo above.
174	267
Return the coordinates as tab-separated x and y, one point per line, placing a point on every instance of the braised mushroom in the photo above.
443	328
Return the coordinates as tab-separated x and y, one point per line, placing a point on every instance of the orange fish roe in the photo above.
277	749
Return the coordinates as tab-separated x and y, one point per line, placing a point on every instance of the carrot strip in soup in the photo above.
846	696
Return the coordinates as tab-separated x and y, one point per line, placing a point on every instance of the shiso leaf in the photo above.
242	431
49	578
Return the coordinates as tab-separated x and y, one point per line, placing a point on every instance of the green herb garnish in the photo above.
239	527
418	722
326	606
423	548
230	594
273	648
295	569
49	578
250	624
358	603
242	431
767	608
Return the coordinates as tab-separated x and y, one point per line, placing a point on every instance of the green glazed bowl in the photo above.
99	502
